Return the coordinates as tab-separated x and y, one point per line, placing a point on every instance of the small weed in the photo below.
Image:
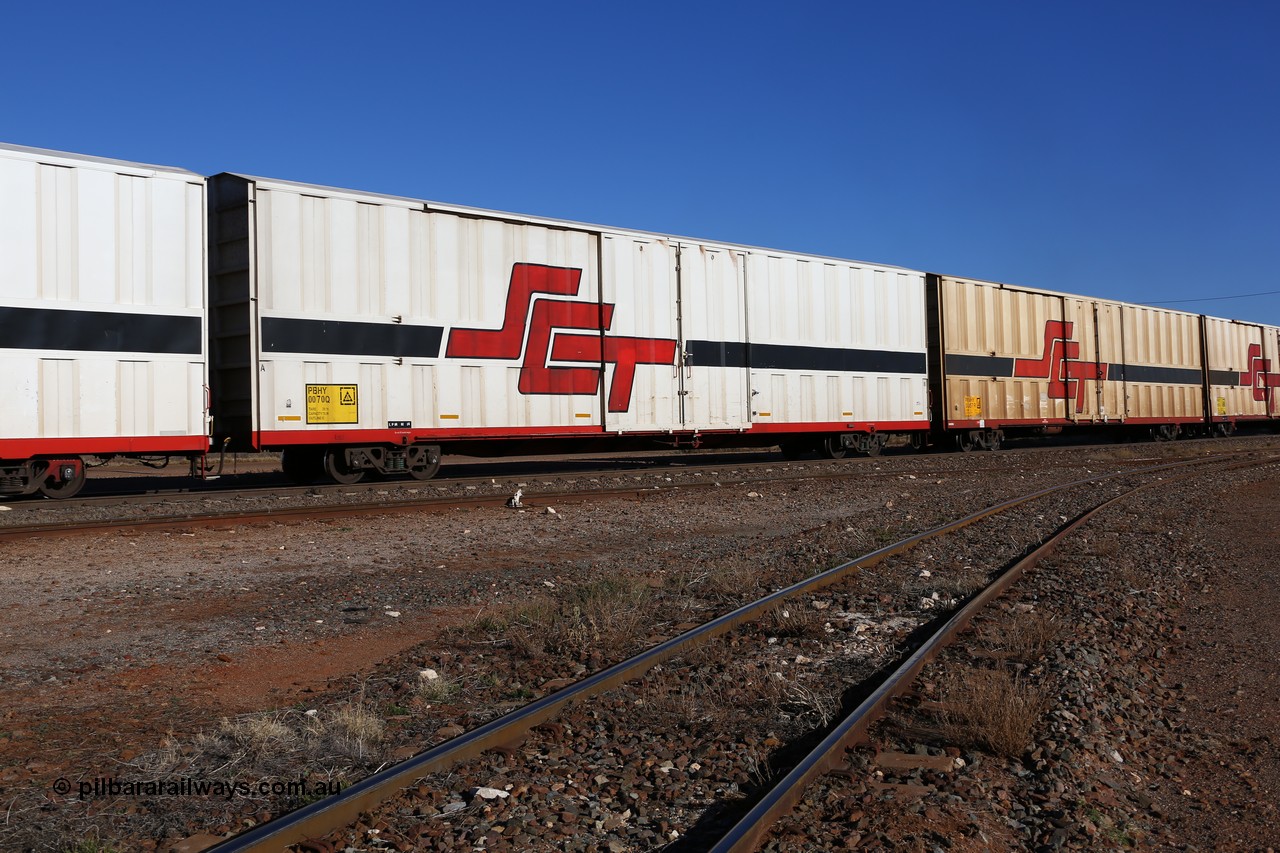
605	614
1025	638
993	710
793	620
90	845
442	688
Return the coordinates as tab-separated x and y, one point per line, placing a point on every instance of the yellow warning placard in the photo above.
973	407
332	404
1222	405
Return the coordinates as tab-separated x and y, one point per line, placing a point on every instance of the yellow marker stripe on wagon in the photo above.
582	414
289	418
449	417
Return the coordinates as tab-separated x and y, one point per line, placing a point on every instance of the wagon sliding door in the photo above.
713	328
640	290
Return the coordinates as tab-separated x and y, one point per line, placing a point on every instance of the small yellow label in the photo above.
332	404
448	417
973	407
1222	405
289	418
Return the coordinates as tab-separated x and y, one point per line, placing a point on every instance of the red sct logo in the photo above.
564	331
1065	375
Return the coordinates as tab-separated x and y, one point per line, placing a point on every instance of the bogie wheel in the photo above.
994	438
68	487
833	448
874	445
335	465
964	441
430	465
302	465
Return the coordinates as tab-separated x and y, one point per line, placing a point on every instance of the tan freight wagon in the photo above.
1012	358
1243	360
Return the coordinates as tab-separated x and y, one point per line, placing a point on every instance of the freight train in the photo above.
151	311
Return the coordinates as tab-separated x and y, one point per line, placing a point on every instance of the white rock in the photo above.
6	509
490	793
925	573
428	674
395	614
803	659
313	713
821	605
753	494
551	510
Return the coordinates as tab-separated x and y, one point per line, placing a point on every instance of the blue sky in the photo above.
1129	150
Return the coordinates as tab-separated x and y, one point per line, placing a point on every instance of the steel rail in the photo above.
436	502
747	834
323	816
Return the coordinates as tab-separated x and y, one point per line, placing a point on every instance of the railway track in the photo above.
159	510
323	817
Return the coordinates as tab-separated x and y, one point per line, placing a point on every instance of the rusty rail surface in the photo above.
324	816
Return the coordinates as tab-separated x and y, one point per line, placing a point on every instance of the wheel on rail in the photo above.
302	465
994	439
335	465
964	441
832	447
427	464
65	480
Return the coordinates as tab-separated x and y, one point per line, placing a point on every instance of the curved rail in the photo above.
321	817
750	830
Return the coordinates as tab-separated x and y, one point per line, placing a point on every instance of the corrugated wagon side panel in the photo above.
1003	349
104	270
1162	367
835	342
1234	351
435	324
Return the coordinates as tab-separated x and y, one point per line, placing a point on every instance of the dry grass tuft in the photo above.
1025	637
719	582
442	688
992	710
793	620
605	615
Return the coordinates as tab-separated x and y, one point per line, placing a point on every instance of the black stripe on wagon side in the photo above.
978	365
98	331
1224	377
343	337
1156	375
818	359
